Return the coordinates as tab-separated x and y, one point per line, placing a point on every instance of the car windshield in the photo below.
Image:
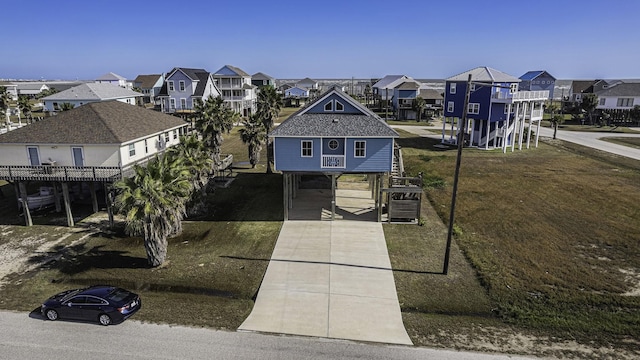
118	295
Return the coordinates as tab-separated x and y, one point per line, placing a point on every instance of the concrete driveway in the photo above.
330	279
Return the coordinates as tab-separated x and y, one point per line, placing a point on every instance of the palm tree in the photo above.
418	106
153	201
269	105
197	158
213	118
24	104
66	106
253	134
5	99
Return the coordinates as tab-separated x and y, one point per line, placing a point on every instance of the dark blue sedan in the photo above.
105	304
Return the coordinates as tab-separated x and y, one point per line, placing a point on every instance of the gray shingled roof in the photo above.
622	89
237	70
93	91
110	77
325	125
485	73
262	76
108	122
147	81
388	79
202	84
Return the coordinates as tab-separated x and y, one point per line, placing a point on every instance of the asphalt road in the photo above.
28	336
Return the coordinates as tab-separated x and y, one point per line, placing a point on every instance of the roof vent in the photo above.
335	121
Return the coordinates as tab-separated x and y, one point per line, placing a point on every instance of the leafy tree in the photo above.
634	114
24	104
213	118
555	118
418	104
153	202
253	134
588	104
46	93
269	105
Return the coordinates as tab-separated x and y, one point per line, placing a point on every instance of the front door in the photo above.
78	156
34	156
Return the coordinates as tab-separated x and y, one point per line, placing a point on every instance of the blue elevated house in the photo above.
497	113
538	81
331	136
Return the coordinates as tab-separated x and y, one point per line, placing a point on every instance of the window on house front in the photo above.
181	85
452	88
328	106
175	134
472	87
625	102
34	155
333	144
170	84
513	88
172	104
307	148
132	150
474	108
602	101
339	106
360	149
166	137
449	106
146	147
183	103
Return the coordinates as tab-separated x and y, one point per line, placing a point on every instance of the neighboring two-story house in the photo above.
538	80
617	95
97	143
89	93
114	79
236	89
150	86
497	111
333	135
404	95
184	88
260	79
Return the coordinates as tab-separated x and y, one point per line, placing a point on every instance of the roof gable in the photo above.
262	76
147	81
109	122
357	122
191	73
229	70
486	74
622	89
110	77
530	75
387	80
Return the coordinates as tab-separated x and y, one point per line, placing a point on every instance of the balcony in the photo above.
333	161
61	173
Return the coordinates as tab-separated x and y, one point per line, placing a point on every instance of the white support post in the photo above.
451	134
473	126
521	130
516	118
505	134
486	144
533	106
538	128
444	127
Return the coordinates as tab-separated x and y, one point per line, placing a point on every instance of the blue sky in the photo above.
83	39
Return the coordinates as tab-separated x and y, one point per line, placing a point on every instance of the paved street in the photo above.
24	337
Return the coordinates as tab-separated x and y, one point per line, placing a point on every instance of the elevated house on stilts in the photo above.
499	115
91	146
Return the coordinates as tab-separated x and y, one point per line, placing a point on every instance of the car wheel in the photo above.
52	314
104	319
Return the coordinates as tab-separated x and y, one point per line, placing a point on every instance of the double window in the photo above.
307	148
333	105
132	150
625	102
474	108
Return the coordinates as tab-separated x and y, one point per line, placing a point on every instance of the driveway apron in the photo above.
330	279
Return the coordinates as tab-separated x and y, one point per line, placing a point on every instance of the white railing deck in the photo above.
333	161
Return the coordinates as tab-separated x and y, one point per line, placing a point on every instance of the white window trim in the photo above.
132	150
450	106
337	144
355	149
73	158
302	142
37	152
336	106
473	109
452	88
172	104
472	87
146	146
171	85
330	104
182	86
183	103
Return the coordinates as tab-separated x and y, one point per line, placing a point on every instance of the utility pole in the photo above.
461	134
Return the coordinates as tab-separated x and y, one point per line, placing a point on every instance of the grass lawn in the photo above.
552	233
626	141
547	244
